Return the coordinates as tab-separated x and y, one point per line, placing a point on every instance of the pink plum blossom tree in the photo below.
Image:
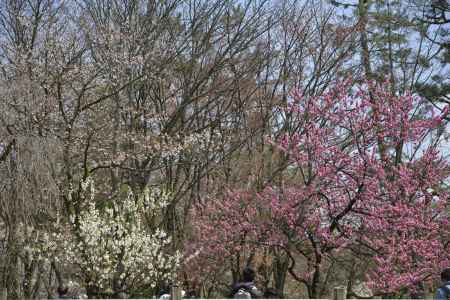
370	183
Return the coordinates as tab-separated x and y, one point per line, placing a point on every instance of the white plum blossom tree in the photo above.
111	246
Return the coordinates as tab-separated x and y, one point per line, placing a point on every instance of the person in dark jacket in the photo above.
443	293
246	286
164	292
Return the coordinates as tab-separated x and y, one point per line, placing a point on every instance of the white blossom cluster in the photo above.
120	50
194	143
173	147
111	247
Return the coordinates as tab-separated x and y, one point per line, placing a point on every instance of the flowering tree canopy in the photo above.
111	247
369	182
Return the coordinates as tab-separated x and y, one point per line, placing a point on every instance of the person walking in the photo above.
443	292
246	288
